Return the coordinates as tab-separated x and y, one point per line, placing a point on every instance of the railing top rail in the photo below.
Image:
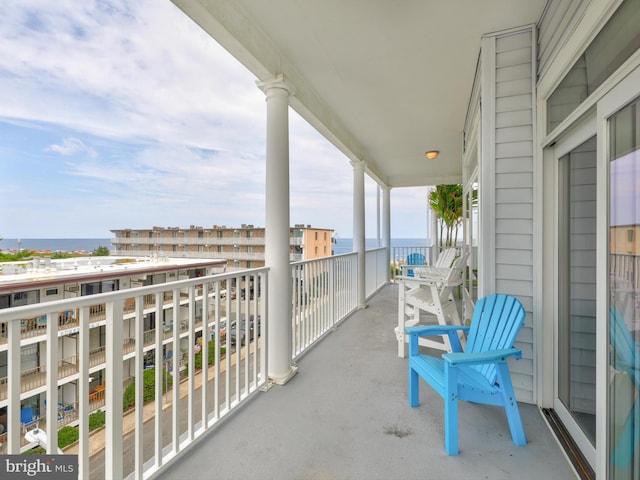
327	258
89	300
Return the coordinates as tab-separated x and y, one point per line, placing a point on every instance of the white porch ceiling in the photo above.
384	80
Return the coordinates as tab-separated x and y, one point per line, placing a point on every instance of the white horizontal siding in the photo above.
517	288
514	195
514	118
514	134
517	226
514	180
556	24
514	165
517	102
515	272
510	240
513	186
514	210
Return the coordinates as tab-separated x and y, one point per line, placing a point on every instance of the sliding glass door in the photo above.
575	338
624	292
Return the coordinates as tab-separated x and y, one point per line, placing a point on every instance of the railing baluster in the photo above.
160	372
113	396
83	394
52	382
175	402
192	364
139	388
14	387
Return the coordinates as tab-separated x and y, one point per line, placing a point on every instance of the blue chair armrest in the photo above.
424	330
481	357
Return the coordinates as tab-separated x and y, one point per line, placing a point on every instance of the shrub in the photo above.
101	251
36	451
149	388
97	420
67	435
211	356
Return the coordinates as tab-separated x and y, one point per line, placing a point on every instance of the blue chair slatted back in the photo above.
624	346
414	259
625	358
26	415
496	322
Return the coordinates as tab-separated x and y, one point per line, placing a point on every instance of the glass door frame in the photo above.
595	121
614	100
580	132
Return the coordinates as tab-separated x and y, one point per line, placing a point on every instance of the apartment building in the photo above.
242	247
46	280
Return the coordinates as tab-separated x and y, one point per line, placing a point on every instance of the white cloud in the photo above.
138	69
186	119
71	146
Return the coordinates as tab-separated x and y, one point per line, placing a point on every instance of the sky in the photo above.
125	114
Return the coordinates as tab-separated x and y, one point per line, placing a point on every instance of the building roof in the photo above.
39	273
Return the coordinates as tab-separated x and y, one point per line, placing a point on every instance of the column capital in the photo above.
357	164
278	82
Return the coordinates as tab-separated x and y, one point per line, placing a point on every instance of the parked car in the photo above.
243	325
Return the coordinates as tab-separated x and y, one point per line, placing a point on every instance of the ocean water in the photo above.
342	245
345	245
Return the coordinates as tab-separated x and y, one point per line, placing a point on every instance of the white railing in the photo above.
235	374
625	269
377	270
324	292
162	318
399	257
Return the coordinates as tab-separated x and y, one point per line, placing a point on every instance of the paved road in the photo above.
96	467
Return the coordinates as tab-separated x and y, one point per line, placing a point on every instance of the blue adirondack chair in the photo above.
479	374
414	259
28	418
625	357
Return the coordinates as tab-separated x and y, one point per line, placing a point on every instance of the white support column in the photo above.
358	228
378	219
386	226
434	233
277	231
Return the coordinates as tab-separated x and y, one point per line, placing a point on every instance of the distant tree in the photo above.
61	255
16	257
446	202
101	251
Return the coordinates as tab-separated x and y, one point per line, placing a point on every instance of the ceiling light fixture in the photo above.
432	154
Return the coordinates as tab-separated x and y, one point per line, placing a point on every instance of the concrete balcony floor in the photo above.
345	415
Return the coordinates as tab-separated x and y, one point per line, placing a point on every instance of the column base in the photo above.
284	379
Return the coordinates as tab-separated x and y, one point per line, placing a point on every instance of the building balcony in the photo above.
210	241
345	415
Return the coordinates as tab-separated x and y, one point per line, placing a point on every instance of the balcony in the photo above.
345	415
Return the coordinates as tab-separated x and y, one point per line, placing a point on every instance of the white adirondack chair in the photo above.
428	298
443	262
